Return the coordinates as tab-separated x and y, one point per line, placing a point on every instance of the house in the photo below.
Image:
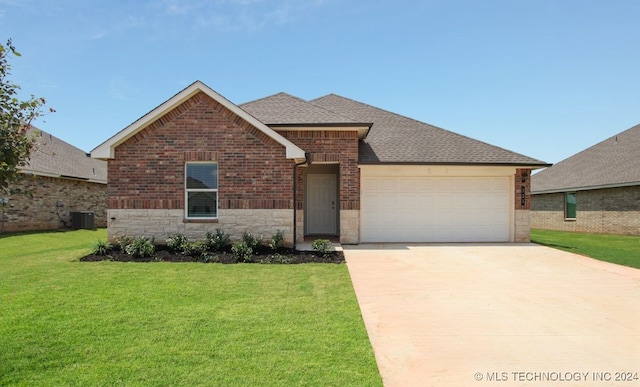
58	180
331	166
596	190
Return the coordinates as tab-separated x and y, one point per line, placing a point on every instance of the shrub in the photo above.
177	242
218	241
194	249
123	241
277	258
209	258
102	248
242	251
322	246
276	240
251	241
140	247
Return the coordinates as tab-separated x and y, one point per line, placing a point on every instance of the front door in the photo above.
321	204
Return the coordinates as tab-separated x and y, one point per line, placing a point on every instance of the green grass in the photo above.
65	322
620	249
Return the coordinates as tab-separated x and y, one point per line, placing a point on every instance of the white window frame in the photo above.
189	190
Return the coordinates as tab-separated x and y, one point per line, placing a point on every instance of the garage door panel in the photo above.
465	209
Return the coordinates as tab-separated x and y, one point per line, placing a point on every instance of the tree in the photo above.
16	140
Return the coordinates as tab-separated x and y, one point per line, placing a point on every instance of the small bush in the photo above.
276	240
141	247
322	246
177	242
102	248
210	258
242	251
277	258
194	249
251	241
123	241
217	242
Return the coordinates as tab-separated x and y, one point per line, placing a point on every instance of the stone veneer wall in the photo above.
161	224
522	226
607	211
350	226
50	202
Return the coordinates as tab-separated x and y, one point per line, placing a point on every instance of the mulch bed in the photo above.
281	256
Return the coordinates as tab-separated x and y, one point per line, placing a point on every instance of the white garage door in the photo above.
435	209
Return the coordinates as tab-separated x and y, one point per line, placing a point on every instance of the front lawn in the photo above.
65	322
620	249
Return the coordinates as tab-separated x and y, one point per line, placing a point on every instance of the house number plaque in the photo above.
522	196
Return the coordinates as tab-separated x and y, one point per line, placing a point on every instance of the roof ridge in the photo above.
333	111
428	124
269	96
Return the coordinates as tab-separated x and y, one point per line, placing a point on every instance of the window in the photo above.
570	205
202	190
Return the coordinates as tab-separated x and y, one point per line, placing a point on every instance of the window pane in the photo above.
202	176
570	206
202	204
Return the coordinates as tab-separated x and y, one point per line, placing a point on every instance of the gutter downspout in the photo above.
307	157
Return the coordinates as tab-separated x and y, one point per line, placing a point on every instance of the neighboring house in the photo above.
59	179
327	167
596	190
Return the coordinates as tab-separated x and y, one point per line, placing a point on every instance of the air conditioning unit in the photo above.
82	219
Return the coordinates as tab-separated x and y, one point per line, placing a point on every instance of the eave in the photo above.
362	128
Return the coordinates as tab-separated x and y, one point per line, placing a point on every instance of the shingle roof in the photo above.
283	108
54	157
614	161
397	139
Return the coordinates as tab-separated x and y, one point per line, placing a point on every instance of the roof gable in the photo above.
612	162
394	138
55	158
107	148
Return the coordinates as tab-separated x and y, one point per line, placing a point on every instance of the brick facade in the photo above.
49	203
339	147
147	172
332	147
608	211
148	169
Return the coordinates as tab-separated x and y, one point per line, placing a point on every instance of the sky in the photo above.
545	78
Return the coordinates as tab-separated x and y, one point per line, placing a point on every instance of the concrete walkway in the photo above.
497	315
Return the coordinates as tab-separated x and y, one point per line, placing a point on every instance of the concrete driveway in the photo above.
497	315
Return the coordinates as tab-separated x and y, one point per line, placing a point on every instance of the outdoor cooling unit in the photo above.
82	219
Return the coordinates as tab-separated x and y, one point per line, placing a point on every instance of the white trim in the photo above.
106	150
186	192
587	188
